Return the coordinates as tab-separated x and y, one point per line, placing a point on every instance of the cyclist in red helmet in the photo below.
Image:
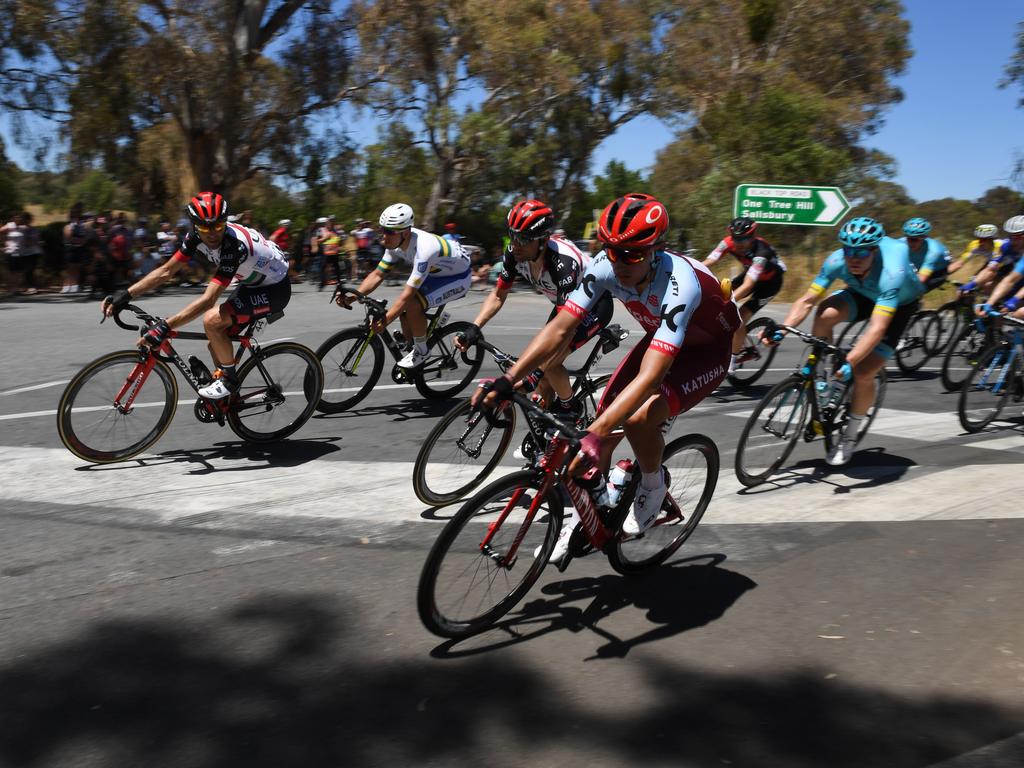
239	253
760	281
689	318
554	266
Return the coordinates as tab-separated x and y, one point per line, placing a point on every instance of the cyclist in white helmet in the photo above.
1010	291
994	266
440	273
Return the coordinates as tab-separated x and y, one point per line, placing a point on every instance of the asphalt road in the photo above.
214	603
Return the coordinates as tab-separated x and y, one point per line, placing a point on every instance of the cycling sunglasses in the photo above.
627	255
387	231
858	253
519	239
208	228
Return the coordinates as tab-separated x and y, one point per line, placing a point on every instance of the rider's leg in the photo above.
216	322
643	430
836	309
740	337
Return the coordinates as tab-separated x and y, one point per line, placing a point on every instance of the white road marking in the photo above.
47	385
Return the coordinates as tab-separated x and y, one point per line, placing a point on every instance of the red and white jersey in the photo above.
244	254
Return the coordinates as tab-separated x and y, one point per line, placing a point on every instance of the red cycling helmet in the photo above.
207	208
633	221
530	220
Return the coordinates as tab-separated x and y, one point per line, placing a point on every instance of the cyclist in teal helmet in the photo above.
930	258
881	284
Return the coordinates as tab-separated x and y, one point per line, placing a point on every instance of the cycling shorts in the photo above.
591	325
440	289
861	307
696	372
764	291
252	302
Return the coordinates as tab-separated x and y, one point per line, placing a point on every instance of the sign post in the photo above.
788	204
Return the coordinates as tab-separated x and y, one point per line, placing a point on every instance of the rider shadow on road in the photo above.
873	466
406	410
678	597
233	456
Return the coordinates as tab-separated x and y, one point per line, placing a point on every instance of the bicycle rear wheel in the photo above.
987	387
962	356
757	356
277	393
447	371
352	364
589	394
917	339
91	424
948	318
851	333
771	432
692	465
843	414
467	584
460	452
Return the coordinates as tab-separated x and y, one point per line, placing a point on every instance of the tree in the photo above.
1014	71
110	70
8	184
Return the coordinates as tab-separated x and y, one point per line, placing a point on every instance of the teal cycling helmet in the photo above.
861	231
916	227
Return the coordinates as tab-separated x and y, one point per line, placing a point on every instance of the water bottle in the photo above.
838	391
822	389
618	479
445	317
593	483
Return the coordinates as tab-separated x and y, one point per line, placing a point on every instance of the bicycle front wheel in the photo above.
851	333
352	363
692	466
447	371
918	339
277	393
94	419
472	576
962	356
756	357
987	387
771	432
460	452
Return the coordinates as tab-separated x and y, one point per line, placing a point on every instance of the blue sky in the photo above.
955	134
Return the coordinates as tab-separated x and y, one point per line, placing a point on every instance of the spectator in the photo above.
75	253
119	244
13	241
481	266
368	251
281	237
32	249
451	233
100	277
330	240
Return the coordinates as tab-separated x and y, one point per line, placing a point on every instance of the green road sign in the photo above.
786	204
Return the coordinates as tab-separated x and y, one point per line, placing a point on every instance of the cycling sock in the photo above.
732	363
651	480
853	427
228	371
421	344
563	405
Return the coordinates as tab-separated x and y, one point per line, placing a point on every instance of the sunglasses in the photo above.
208	228
626	255
518	239
857	253
386	231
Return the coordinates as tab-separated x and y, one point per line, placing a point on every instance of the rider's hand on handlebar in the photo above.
115	303
772	336
344	300
844	372
156	334
982	310
1012	304
492	392
464	341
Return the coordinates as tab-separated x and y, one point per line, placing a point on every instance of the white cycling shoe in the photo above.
841	453
414	359
646	506
216	391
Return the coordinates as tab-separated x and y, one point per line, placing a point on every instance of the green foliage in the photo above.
9	197
97	191
1014	71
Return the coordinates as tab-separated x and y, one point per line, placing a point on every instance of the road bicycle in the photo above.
492	551
755	358
995	378
353	358
920	341
806	404
463	448
120	404
970	337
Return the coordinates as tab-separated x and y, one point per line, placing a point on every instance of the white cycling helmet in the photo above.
986	230
397	216
284	223
1014	225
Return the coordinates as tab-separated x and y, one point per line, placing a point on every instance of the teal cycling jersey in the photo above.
933	256
890	283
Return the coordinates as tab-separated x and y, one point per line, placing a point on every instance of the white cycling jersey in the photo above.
244	254
429	255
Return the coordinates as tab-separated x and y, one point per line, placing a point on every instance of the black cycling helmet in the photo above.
742	227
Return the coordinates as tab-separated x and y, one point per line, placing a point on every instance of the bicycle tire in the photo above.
984	394
343	358
443	356
447	559
948	318
961	356
692	462
912	351
257	411
79	398
436	477
745	377
838	422
851	333
792	394
589	393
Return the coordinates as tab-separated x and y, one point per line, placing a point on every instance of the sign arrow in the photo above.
833	206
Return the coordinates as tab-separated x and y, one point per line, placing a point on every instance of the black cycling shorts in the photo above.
764	291
252	302
861	308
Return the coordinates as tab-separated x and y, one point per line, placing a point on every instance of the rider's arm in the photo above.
712	258
802	307
748	285
1005	287
406	297
492	305
549	339
158	276
198	306
371	281
647	382
871	337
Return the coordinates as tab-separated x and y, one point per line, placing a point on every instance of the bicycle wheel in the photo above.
755	357
94	428
851	333
352	364
912	349
692	464
843	414
447	371
948	318
984	393
589	393
277	393
459	453
467	584
962	356
771	432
